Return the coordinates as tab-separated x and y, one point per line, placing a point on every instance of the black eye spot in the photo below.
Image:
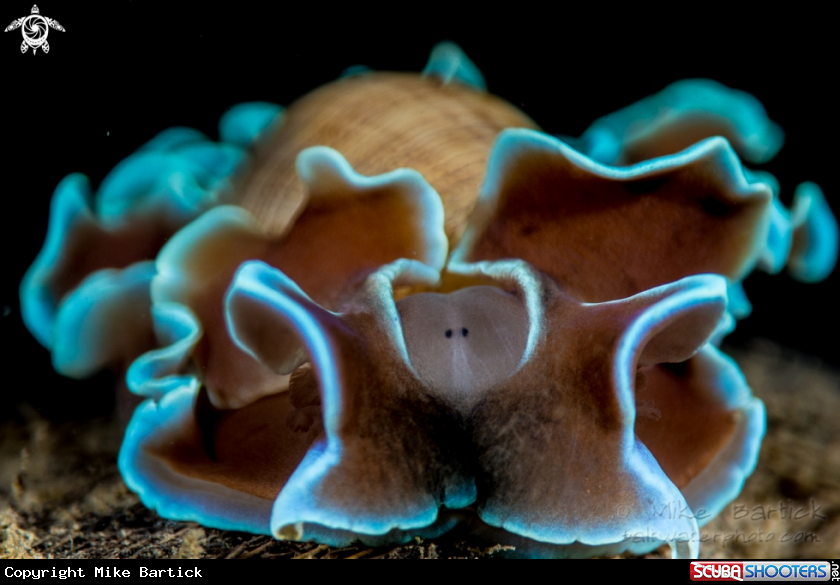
464	331
449	333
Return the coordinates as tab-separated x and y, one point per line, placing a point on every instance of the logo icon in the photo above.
35	29
761	571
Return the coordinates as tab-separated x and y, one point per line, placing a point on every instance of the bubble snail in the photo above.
397	307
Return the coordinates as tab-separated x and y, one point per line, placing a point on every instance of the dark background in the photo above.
125	70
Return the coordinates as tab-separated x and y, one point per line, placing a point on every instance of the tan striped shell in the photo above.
380	122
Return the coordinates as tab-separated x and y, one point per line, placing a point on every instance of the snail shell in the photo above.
380	122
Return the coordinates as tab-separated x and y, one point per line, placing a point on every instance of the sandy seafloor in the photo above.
61	495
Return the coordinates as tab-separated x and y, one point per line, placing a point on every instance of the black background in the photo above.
125	70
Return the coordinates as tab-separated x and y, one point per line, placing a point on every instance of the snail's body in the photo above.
325	363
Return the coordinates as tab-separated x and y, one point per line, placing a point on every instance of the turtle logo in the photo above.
35	29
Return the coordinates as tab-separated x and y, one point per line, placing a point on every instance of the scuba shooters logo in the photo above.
764	571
